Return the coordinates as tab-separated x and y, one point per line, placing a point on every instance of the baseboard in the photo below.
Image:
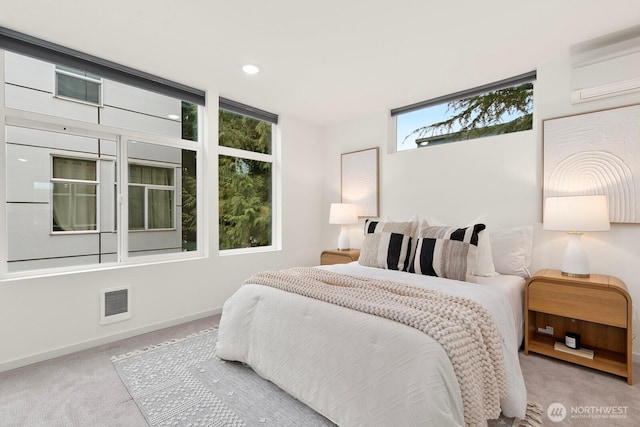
636	358
84	345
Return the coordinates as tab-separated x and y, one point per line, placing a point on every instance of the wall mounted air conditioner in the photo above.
607	71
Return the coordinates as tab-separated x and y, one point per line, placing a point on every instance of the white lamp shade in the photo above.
576	213
343	213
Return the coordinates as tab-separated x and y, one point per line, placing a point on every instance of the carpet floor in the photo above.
84	389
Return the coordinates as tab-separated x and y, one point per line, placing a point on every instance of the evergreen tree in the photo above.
482	115
244	185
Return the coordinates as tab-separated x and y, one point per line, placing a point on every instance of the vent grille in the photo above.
115	305
116	302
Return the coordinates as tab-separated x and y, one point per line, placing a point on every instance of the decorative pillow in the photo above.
511	248
484	264
467	234
455	267
408	227
451	259
386	250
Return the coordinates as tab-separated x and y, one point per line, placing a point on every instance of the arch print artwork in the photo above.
595	153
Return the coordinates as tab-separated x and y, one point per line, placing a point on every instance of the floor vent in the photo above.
115	304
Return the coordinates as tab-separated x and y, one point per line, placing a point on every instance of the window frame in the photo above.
22	44
147	187
529	77
274	158
95	183
19	118
58	71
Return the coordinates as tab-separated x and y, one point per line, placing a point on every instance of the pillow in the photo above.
451	259
454	261
511	249
484	264
467	234
407	227
386	250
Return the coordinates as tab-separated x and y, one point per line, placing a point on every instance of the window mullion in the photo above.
244	154
122	197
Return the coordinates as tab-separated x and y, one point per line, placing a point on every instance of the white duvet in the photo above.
358	369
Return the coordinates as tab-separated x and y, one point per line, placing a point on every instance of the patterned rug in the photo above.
183	383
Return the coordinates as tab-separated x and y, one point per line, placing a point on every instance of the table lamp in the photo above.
343	214
576	215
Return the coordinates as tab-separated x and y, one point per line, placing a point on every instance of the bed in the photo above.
358	369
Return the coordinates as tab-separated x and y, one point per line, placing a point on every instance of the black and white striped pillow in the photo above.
386	250
407	227
447	252
451	259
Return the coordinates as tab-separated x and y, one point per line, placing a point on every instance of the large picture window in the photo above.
246	181
493	109
94	180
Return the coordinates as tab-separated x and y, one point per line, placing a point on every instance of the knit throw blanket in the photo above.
464	329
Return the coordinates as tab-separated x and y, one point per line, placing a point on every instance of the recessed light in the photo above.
251	69
173	116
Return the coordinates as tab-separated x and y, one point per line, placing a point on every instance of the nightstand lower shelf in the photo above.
603	360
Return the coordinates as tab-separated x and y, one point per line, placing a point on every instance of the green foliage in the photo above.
244	185
189	121
189	181
481	115
189	201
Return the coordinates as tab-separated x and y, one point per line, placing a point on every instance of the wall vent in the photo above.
115	304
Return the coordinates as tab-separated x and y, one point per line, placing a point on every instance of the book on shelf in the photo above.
582	352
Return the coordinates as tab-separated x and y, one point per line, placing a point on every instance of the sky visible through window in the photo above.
512	102
407	123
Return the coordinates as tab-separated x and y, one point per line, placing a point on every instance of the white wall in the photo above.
497	177
49	316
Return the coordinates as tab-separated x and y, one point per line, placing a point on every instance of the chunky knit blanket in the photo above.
464	329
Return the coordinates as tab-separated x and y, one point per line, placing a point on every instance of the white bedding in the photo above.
358	369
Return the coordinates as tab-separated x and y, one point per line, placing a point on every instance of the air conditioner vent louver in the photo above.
115	305
611	70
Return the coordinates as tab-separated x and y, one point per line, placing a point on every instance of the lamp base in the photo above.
343	239
576	275
575	262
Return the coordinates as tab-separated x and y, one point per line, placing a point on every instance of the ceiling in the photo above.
329	61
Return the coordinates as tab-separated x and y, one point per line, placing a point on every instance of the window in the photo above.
76	181
78	85
74	195
246	169
497	108
151	198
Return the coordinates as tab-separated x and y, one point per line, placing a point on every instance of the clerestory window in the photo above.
497	108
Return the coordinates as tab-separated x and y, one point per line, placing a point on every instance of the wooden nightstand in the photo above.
598	308
335	256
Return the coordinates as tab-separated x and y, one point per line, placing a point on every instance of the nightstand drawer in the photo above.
579	302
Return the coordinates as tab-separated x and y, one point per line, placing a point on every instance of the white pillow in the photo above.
511	248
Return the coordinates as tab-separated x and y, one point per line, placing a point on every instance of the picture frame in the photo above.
593	153
360	181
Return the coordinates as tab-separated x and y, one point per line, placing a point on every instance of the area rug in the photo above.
183	383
